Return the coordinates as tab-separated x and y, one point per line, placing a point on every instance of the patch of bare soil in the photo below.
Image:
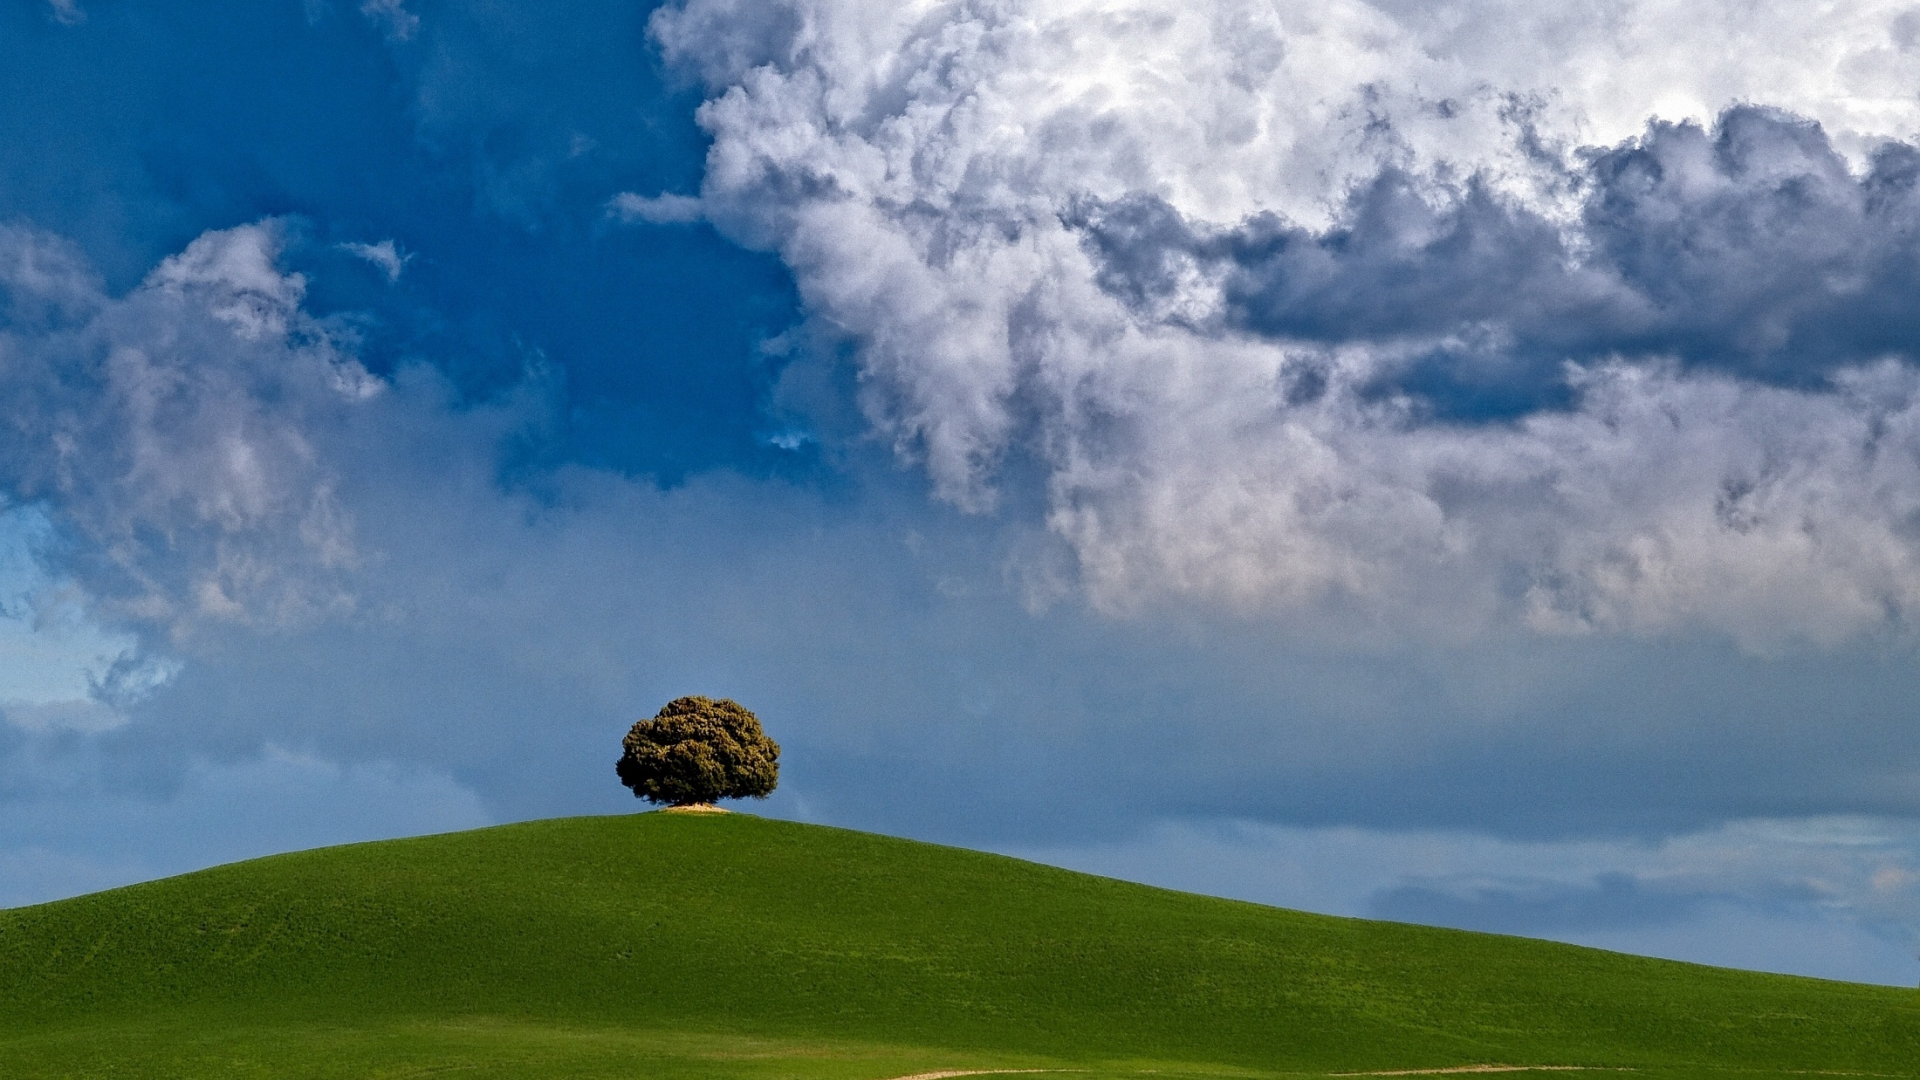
975	1072
944	1074
697	808
1487	1069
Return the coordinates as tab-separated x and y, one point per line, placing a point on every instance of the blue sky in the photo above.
1454	462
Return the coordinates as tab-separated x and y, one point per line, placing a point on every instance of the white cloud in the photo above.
383	255
1234	107
916	166
233	273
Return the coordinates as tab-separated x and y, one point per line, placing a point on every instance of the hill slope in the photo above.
716	946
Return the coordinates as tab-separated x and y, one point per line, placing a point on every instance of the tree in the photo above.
696	750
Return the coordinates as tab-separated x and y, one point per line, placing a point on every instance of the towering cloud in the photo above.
1292	304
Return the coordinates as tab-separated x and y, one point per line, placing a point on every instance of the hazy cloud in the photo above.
281	800
1833	897
666	209
172	431
392	17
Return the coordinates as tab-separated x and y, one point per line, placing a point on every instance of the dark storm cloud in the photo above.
1749	249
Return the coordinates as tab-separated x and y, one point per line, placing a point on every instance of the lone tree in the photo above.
697	750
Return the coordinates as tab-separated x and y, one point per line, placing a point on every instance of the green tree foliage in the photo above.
697	750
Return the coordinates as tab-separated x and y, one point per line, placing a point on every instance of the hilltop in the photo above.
716	946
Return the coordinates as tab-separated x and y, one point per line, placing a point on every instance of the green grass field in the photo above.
669	945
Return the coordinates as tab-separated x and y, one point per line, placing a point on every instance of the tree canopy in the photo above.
698	750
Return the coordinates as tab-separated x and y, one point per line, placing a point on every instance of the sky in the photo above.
1456	462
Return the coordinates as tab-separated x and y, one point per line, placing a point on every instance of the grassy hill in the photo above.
665	945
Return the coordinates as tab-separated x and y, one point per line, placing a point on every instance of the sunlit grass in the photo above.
730	946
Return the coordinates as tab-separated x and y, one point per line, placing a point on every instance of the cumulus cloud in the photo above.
1749	248
1302	304
172	430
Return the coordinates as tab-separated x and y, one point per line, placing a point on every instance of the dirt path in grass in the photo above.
944	1074
975	1072
1487	1069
